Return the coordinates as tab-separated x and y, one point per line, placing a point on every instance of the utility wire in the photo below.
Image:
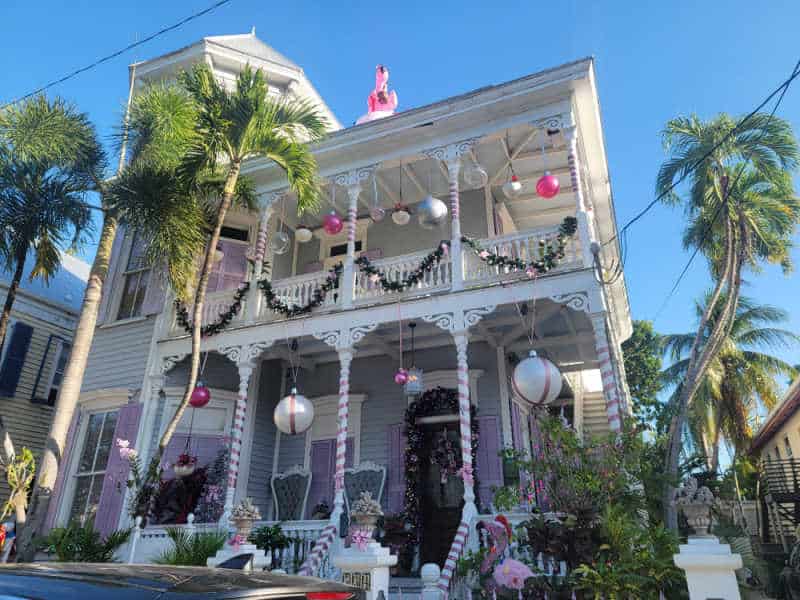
781	89
724	202
113	55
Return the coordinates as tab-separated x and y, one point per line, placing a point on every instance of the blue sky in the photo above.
655	60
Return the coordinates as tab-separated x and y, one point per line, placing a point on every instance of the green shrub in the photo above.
269	538
191	549
82	543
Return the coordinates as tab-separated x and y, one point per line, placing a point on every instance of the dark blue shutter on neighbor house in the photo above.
15	357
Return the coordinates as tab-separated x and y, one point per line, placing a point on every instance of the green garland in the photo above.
223	319
410	280
551	253
331	282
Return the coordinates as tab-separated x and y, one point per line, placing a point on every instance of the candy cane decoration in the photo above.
321	547
465	428
345	358
245	371
455	552
606	372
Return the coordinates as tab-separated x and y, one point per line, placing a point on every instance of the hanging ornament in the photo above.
431	213
200	395
332	224
401	215
536	380
279	243
512	188
303	234
294	414
548	185
475	175
401	376
413	383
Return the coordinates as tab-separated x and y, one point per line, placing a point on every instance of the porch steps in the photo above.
405	588
595	418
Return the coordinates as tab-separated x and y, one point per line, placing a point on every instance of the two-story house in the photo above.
32	360
473	317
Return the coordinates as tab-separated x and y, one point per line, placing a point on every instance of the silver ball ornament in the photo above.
279	243
431	212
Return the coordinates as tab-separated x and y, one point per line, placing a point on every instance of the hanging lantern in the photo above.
431	212
536	380
512	188
332	224
401	215
401	377
476	176
377	213
413	384
279	243
548	185
303	234
294	414
200	395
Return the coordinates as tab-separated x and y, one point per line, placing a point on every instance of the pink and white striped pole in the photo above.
607	373
245	372
582	208
453	169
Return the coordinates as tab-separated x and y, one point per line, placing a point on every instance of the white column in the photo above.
710	568
607	372
345	359
464	418
505	397
237	431
348	273
581	208
255	298
453	169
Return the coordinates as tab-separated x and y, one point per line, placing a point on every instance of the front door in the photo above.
442	490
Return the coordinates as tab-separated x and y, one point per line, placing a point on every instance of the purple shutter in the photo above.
489	467
516	427
117	469
323	465
113	268
396	476
58	489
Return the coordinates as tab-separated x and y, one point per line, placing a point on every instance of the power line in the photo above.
781	89
724	202
113	55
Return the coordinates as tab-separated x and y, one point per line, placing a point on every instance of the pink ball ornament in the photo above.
536	380
332	224
548	185
200	395
401	377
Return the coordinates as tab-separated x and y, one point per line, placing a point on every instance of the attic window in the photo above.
233	233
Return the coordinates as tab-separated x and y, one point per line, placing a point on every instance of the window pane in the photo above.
136	259
82	487
93	431
133	294
94	496
106	442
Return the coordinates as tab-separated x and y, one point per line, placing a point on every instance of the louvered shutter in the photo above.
14	360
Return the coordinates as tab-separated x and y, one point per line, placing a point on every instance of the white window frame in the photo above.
325	425
90	403
9	330
220	399
123	277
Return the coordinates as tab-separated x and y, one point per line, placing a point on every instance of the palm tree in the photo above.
193	138
44	179
740	378
741	212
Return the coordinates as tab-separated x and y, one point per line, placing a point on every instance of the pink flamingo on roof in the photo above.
381	102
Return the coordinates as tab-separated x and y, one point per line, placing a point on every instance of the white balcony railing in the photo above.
397	268
298	291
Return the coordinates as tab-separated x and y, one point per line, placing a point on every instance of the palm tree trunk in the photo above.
714	464
11	296
67	400
197	316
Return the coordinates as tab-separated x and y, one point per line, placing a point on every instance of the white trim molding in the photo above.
449	379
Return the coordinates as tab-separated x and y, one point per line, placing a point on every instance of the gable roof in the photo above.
249	44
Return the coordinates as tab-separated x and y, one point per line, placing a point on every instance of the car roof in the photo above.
165	581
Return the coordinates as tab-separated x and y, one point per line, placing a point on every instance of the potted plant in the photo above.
243	516
364	514
185	465
270	539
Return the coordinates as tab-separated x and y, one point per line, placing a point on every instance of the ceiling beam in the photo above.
306	364
386	190
511	155
410	174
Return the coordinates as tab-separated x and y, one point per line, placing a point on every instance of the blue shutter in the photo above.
15	359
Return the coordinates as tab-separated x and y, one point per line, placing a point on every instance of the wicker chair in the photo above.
290	493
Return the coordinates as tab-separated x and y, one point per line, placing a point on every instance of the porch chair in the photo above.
366	477
290	493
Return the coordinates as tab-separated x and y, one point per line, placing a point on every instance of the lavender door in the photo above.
231	271
489	467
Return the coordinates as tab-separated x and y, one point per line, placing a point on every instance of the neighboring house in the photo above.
777	446
35	353
472	318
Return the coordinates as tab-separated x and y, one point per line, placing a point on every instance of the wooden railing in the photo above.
398	268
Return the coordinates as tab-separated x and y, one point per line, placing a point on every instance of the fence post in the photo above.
710	568
137	533
430	574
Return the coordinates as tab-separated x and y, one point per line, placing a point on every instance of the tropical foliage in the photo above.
82	543
20	469
741	212
642	355
191	548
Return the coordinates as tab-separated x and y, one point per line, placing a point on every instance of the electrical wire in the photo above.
113	55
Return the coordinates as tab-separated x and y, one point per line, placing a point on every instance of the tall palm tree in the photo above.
194	138
741	378
741	211
44	179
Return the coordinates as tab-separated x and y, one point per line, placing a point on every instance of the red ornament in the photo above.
548	185
200	395
332	224
401	377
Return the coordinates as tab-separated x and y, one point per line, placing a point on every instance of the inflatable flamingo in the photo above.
381	102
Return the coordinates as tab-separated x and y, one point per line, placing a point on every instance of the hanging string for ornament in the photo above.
376	213
513	186
400	214
294	414
279	243
431	212
332	223
548	185
401	376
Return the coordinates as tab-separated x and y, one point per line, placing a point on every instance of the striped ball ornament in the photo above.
536	380
294	414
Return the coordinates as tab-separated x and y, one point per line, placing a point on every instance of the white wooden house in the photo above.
471	318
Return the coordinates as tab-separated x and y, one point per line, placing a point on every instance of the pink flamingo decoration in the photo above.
381	102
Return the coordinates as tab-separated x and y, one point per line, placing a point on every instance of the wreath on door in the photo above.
438	401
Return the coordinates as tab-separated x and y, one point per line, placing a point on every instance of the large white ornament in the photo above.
536	380
431	212
294	414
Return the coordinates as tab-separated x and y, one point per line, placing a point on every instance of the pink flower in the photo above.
530	272
125	452
236	541
511	574
361	537
483	254
445	248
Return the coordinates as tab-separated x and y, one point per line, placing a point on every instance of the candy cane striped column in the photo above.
321	547
345	358
581	208
254	299
453	169
607	373
245	371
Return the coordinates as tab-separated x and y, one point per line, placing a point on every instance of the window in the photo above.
98	442
57	374
230	272
777	453
787	447
136	277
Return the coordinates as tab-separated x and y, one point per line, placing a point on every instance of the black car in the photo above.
82	581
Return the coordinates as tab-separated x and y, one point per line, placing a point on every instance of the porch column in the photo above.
457	261
460	337
348	273
255	298
345	359
582	209
245	371
607	372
